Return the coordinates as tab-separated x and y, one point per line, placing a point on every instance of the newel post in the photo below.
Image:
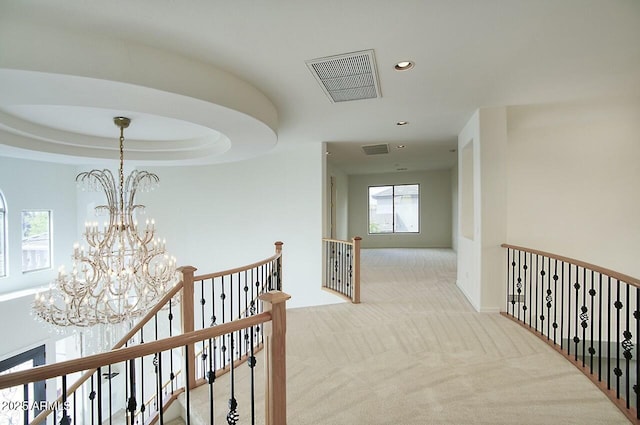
356	269
275	345
278	245
187	318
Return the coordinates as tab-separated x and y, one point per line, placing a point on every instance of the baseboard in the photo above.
477	307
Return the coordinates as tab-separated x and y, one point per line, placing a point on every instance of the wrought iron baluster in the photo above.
600	327
223	348
522	290
66	420
99	382
536	302
592	294
159	397
232	416
132	404
172	375
548	299
576	339
92	397
584	317
246	313
618	371
75	410
239	350
562	306
213	352
252	365
609	333
555	296
543	273
627	345
203	301
530	289
512	301
569	311
187	390
110	397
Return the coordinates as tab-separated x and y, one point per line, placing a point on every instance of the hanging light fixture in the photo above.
124	270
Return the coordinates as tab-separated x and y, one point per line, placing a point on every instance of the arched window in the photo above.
3	236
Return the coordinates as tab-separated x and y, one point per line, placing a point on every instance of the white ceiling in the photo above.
467	53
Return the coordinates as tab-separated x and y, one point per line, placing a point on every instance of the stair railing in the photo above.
341	274
589	314
273	319
175	314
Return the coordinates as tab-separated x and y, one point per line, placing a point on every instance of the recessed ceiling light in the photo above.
403	65
401	146
402	123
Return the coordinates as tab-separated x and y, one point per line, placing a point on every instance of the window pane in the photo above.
406	203
36	242
381	209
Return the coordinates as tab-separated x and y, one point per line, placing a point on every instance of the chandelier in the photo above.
124	271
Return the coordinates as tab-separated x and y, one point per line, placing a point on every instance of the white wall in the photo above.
39	186
435	209
574	181
223	216
33	185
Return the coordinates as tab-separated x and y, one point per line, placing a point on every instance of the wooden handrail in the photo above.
338	240
240	269
98	360
602	270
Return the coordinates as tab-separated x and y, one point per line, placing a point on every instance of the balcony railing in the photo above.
341	273
589	314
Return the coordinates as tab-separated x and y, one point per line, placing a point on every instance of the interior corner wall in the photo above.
223	216
454	208
482	146
468	277
435	209
574	179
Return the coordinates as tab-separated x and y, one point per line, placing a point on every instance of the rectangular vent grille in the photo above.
376	149
351	76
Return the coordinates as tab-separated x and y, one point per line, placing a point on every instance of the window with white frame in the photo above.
394	209
36	240
3	236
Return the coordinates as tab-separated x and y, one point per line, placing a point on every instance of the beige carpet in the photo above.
415	352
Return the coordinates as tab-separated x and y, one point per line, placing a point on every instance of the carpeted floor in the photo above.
415	352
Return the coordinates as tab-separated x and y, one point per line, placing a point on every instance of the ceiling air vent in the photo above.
375	149
350	76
